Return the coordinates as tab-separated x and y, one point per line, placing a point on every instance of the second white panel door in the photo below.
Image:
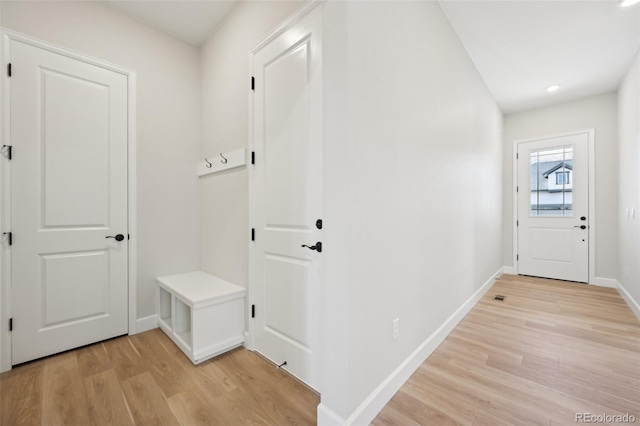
288	197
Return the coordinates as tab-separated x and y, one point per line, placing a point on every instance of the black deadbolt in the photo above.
118	237
319	223
583	218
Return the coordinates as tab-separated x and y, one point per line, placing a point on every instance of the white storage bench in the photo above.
202	314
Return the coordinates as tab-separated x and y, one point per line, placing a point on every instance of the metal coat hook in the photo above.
226	161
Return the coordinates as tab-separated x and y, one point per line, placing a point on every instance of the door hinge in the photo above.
9	151
9	70
253	83
517	257
517	223
517	155
517	188
10	324
253	234
10	237
253	311
253	157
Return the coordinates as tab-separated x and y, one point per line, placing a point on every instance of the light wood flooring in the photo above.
146	380
550	350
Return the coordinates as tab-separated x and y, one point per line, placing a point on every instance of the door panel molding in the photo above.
591	190
5	186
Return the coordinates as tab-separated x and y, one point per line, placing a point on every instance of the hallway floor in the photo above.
549	351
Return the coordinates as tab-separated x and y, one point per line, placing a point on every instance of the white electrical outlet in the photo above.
396	328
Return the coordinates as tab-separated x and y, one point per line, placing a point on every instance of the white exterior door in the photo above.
553	208
287	191
69	193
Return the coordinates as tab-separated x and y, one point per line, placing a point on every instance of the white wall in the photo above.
599	112
412	188
629	181
225	83
407	117
168	119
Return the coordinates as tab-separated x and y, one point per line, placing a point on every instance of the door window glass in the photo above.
551	174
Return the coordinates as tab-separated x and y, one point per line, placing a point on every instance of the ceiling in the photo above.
519	47
522	47
191	21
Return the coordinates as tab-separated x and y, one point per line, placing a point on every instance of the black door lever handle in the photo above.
118	237
317	247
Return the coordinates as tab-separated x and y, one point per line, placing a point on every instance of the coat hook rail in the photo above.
228	160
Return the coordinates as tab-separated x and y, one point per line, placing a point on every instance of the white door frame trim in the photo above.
592	196
251	291
5	186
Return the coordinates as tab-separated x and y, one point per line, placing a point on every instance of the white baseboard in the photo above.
247	341
371	406
633	304
508	270
328	417
146	324
605	282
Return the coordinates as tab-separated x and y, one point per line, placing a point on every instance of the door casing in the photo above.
5	183
592	201
252	292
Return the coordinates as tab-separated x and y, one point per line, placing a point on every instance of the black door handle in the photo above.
581	226
317	247
118	237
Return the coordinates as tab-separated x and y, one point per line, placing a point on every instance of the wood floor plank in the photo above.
93	359
457	409
107	405
190	409
167	370
265	384
421	411
146	403
21	394
64	399
392	417
125	359
486	419
207	375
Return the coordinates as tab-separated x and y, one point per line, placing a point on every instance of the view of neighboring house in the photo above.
551	187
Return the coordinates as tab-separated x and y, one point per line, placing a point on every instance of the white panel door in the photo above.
553	206
288	197
69	194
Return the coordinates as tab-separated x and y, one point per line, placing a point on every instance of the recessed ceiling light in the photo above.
555	86
627	3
